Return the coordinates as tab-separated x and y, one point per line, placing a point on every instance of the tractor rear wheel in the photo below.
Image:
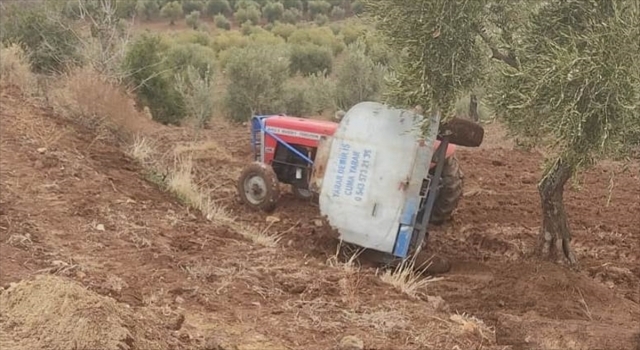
258	187
451	182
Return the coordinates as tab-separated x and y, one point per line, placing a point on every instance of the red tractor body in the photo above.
304	132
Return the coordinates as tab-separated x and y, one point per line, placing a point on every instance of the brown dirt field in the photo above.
76	206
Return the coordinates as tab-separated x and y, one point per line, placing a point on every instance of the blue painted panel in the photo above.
403	240
409	211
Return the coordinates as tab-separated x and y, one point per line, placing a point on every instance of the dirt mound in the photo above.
50	312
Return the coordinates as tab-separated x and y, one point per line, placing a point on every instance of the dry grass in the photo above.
181	183
15	69
89	98
407	278
54	313
142	149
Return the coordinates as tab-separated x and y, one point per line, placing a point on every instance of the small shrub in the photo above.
321	19
50	44
273	11
15	69
172	10
310	59
319	7
229	40
310	97
90	99
183	55
256	77
244	4
222	22
251	14
148	10
357	7
359	78
321	36
153	85
246	28
263	37
193	19
197	93
291	16
350	33
194	37
283	30
189	6
338	13
218	7
295	4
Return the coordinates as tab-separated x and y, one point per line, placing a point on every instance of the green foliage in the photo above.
51	45
125	8
283	30
577	88
147	9
310	96
172	10
273	11
358	78
321	36
153	85
291	16
246	28
256	75
338	13
193	19
182	55
197	91
321	19
377	48
440	55
357	7
244	4
250	13
222	22
296	4
228	40
351	32
188	6
319	7
218	7
309	59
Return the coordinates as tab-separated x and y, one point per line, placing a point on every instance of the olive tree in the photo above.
440	55
568	77
574	86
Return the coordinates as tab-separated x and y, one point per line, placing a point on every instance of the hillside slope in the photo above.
75	205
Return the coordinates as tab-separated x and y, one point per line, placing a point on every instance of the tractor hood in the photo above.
369	174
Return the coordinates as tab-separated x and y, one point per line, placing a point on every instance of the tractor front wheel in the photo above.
451	182
258	187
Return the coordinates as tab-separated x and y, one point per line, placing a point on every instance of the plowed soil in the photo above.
74	205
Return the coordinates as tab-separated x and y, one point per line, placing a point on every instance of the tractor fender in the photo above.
451	148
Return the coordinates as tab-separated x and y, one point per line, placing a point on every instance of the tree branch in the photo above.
495	52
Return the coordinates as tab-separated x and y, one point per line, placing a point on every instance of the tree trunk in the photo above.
473	108
555	237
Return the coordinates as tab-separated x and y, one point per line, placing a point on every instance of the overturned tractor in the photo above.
380	179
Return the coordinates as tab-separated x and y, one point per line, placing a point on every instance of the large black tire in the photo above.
462	132
258	187
451	183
